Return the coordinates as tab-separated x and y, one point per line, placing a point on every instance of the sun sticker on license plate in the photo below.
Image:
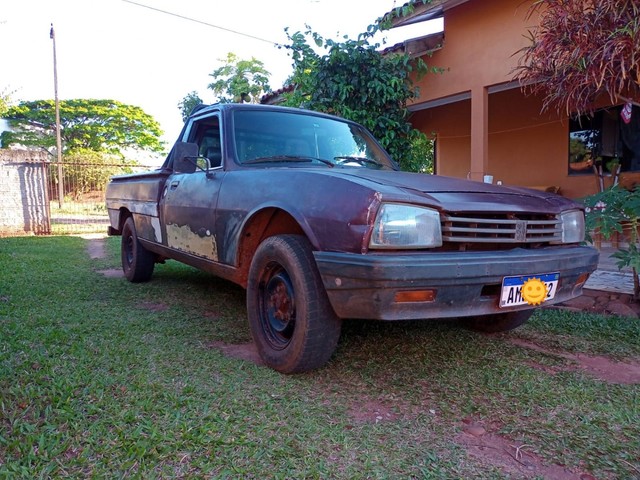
528	289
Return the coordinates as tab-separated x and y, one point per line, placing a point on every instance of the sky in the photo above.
120	50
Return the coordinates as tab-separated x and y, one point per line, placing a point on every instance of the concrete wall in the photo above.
24	204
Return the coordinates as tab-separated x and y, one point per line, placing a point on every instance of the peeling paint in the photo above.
373	207
184	239
231	238
157	231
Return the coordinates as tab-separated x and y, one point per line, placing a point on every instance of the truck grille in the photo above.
501	228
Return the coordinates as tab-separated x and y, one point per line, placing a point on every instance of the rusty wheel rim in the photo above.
277	307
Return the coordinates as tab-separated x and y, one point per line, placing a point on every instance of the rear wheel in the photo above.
137	261
292	322
499	322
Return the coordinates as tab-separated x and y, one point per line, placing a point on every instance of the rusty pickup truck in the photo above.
310	215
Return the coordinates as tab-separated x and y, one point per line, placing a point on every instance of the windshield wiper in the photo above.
341	160
288	158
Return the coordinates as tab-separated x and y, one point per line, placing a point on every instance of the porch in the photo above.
608	290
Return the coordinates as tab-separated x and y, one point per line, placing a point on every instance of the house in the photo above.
482	121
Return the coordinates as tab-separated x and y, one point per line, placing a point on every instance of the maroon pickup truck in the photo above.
310	215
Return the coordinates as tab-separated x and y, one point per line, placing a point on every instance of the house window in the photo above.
604	138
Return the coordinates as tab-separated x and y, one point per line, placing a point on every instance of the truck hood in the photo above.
457	194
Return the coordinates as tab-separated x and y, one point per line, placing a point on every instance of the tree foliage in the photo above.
583	49
352	79
86	171
190	101
97	125
5	101
608	212
240	80
386	22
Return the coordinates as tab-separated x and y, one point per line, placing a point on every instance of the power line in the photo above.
203	23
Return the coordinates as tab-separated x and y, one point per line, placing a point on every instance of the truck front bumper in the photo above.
373	286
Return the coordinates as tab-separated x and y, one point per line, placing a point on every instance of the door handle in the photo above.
174	185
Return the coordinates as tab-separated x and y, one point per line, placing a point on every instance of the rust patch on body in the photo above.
202	243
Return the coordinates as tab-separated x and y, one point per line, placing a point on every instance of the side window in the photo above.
206	135
585	139
607	139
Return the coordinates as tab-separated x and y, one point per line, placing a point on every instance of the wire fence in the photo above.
82	209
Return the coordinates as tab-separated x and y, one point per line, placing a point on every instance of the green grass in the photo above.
100	378
86	215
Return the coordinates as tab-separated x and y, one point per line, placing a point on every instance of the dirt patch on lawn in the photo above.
512	457
372	411
96	247
112	273
600	367
154	306
242	351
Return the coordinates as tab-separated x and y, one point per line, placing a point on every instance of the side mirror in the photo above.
185	156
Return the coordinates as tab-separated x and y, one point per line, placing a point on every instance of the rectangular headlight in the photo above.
401	226
572	226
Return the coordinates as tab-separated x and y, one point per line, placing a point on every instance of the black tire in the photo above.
499	322
137	261
292	322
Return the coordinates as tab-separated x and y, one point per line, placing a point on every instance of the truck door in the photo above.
188	201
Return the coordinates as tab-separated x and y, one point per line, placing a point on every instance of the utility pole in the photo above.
52	35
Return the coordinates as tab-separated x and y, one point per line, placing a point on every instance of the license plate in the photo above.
511	295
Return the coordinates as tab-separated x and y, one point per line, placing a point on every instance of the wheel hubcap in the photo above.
278	310
129	250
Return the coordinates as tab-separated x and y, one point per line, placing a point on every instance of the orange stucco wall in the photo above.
524	146
481	38
450	126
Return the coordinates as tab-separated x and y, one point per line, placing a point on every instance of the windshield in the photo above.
290	138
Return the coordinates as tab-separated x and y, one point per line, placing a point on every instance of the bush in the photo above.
607	212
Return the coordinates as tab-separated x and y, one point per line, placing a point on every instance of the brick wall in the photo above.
24	205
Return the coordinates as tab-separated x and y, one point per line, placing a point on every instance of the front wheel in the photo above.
292	322
499	322
137	261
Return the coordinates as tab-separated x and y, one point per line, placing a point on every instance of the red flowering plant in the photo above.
581	50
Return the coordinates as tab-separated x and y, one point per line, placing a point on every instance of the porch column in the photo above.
479	133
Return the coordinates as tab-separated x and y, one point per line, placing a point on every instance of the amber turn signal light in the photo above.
415	296
582	279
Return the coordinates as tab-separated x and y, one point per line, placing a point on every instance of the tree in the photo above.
5	101
97	125
188	103
240	80
581	50
355	81
86	171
